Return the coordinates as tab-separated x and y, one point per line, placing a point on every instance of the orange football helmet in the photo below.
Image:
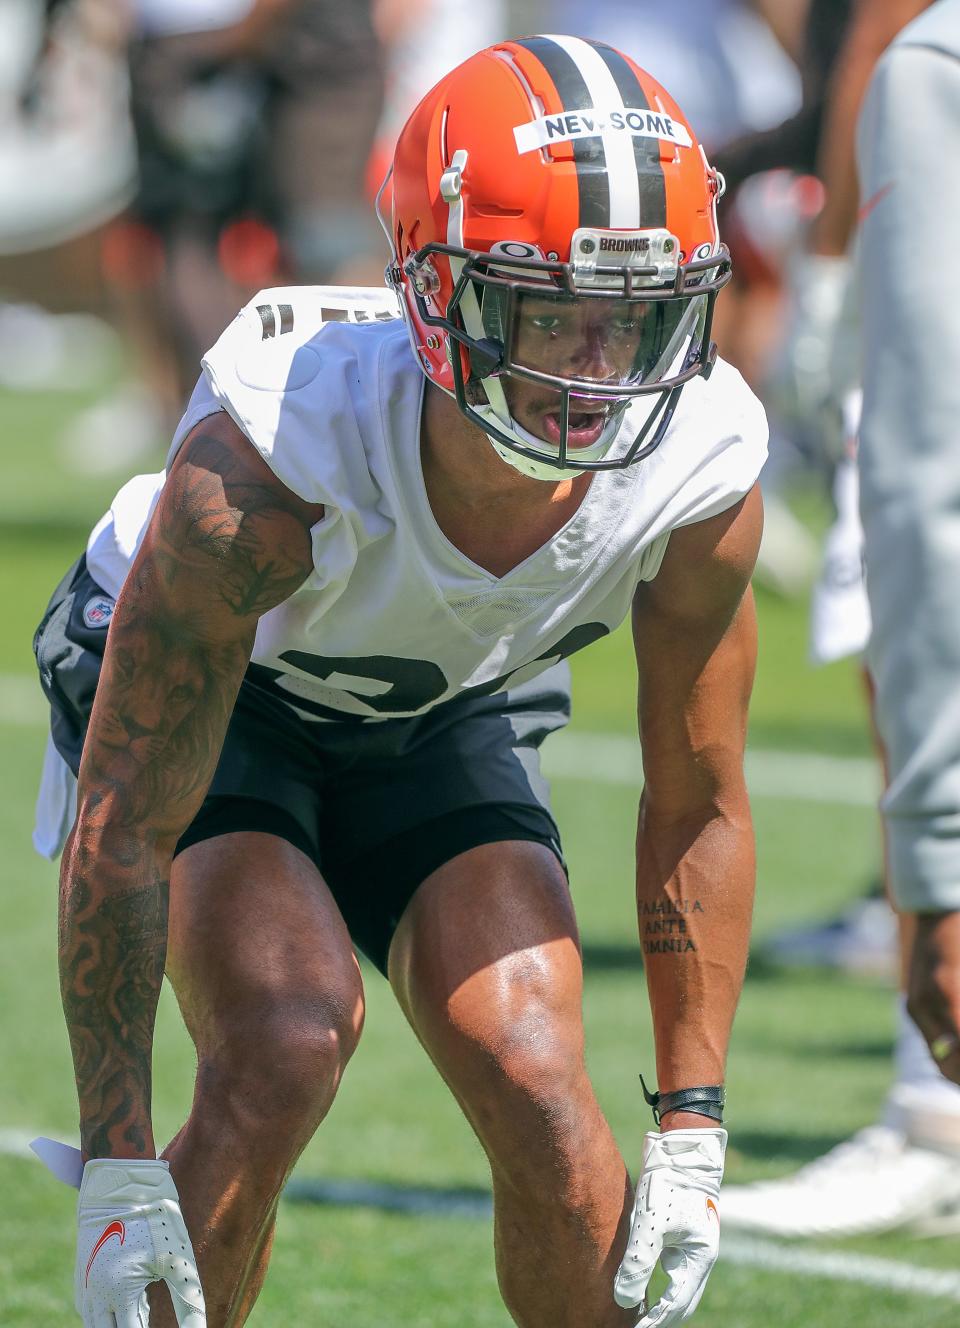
555	250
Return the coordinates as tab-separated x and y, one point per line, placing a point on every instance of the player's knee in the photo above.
280	1070
542	1064
539	1084
527	1048
307	1057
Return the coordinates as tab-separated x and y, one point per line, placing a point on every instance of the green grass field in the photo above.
810	1059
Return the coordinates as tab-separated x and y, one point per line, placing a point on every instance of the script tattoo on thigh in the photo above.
666	925
227	543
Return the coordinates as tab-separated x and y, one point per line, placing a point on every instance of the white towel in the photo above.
56	804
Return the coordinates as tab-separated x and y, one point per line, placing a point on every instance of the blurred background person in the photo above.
909	137
260	132
904	1170
67	165
252	121
423	39
811	388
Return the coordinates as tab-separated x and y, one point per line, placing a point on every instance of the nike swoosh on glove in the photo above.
130	1233
676	1221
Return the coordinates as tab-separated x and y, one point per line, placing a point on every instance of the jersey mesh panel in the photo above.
489	612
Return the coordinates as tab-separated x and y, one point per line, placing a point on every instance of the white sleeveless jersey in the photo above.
394	619
938	26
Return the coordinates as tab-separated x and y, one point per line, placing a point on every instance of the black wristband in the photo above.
708	1100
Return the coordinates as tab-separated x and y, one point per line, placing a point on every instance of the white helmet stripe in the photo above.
618	148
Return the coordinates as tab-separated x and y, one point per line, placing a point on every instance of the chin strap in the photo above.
708	1100
451	191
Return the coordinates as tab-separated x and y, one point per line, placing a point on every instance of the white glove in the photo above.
818	362
839	608
130	1232
676	1220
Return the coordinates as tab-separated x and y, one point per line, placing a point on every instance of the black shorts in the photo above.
377	805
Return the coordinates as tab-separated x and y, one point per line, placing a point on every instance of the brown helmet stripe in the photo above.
588	153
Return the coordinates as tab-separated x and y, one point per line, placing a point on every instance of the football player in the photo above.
338	623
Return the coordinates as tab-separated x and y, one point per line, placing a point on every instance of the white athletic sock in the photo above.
921	1103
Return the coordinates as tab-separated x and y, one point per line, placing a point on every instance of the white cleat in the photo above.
876	1181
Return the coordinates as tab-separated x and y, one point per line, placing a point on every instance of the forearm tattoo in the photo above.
666	925
227	548
110	973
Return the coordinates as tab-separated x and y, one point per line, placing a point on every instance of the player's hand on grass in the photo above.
676	1221
933	989
131	1233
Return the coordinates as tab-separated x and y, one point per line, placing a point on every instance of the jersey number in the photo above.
390	686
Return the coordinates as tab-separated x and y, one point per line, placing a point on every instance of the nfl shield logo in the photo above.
98	611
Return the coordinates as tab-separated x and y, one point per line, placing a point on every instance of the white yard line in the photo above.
16	1143
22	704
750	1251
602	758
611	758
910	1279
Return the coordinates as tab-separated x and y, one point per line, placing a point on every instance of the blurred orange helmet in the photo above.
548	193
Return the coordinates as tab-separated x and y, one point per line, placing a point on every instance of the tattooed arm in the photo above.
695	636
227	542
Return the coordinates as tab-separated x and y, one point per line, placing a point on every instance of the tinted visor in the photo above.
615	341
